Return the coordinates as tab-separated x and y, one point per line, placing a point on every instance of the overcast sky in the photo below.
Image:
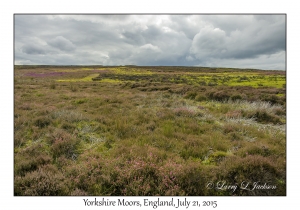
238	41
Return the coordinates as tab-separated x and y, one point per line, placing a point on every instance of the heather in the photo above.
129	130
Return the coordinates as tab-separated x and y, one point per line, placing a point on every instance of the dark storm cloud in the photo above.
205	40
133	38
33	49
61	43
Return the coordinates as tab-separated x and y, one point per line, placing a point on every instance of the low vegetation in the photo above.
129	130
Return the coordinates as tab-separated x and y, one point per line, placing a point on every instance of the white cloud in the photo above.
150	47
209	42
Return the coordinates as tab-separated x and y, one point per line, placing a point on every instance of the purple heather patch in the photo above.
50	74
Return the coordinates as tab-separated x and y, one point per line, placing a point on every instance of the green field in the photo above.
130	130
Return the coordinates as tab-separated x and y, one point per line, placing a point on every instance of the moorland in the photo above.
142	130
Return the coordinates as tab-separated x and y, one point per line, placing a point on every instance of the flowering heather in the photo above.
43	75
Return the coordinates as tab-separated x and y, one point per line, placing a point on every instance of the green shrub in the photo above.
46	181
124	129
19	139
255	150
142	171
236	97
68	126
235	136
200	97
52	85
280	112
230	128
80	101
187	112
168	129
211	83
42	122
220	96
29	162
73	88
193	147
190	95
193	178
63	144
263	116
252	168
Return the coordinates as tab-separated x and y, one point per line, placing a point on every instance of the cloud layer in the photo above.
238	41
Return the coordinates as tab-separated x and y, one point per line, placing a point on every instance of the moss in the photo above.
85	79
110	80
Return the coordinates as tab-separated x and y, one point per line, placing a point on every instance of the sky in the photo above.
233	41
